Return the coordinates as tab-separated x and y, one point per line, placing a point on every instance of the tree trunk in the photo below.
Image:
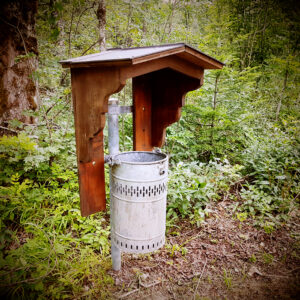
214	106
282	92
101	15
18	60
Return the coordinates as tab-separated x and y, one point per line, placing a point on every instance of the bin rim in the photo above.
119	157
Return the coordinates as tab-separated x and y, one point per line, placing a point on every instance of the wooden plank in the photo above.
112	63
91	89
172	62
92	180
154	56
142	102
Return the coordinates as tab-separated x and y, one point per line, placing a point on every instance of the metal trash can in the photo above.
138	200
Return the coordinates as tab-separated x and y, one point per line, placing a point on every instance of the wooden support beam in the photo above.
142	104
174	63
91	89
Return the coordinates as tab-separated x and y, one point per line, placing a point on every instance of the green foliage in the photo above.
237	139
42	232
267	258
193	185
227	279
253	258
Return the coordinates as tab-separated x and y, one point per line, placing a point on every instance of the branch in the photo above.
5	128
70	31
81	14
90	47
127	294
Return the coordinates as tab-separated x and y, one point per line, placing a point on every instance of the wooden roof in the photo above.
134	56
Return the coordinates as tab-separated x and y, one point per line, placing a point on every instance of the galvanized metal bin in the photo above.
138	201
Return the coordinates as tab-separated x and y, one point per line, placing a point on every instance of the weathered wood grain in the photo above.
91	89
158	98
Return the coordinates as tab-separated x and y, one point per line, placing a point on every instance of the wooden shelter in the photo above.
161	77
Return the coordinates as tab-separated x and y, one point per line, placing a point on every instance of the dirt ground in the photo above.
224	258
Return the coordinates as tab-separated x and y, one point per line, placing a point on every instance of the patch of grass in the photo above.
253	258
267	258
175	249
227	279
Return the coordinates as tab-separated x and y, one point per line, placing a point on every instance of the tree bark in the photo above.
101	15
18	60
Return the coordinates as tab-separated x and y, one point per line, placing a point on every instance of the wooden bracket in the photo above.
91	89
157	99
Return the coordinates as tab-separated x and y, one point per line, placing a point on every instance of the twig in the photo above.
48	110
291	271
47	125
127	294
200	278
271	275
191	239
68	122
296	196
80	15
194	275
128	24
61	110
70	33
150	284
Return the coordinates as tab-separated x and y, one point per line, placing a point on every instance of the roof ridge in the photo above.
153	46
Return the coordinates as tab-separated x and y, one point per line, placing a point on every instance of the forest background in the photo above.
241	130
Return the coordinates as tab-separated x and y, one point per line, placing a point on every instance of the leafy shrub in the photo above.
42	231
272	162
194	185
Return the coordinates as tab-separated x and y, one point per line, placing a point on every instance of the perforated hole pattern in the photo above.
131	246
139	191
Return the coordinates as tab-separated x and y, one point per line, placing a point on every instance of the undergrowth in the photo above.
46	246
45	243
48	249
237	140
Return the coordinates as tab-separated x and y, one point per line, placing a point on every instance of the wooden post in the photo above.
142	104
